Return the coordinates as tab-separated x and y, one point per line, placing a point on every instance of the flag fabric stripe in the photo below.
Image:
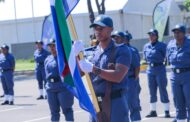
62	35
160	16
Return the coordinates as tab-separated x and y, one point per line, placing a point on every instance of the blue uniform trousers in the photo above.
7	82
40	76
181	91
119	110
63	98
158	80
133	91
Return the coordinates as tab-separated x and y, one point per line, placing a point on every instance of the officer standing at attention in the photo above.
133	86
40	55
178	54
57	93
154	55
1	56
7	64
107	79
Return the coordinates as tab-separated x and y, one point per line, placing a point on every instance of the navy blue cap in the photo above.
153	31
4	46
128	36
51	41
102	20
39	42
118	33
179	27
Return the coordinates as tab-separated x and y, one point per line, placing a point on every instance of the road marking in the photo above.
46	117
11	109
160	115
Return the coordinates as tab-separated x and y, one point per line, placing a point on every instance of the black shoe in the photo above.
167	114
175	120
152	114
40	97
2	96
11	103
5	103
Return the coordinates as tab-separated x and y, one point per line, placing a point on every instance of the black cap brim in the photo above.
97	23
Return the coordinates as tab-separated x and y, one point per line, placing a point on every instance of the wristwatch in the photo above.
97	71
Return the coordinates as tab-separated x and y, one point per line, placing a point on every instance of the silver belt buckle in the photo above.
52	80
151	64
99	99
177	70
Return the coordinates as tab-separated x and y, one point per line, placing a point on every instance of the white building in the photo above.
135	16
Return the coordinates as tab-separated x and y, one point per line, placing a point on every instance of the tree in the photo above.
2	0
100	6
187	4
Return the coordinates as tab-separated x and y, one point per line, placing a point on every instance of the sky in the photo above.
41	8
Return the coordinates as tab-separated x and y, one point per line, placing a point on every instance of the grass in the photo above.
22	65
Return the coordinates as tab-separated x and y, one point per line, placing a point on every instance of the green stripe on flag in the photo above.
64	31
65	36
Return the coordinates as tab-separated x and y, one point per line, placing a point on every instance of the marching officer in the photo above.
133	86
154	55
109	71
178	55
7	64
57	93
40	55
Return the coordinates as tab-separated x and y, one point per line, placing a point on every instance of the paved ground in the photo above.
28	109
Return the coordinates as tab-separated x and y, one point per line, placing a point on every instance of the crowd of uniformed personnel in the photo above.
114	67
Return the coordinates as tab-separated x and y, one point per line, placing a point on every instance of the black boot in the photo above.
40	97
175	120
5	103
11	103
152	114
167	114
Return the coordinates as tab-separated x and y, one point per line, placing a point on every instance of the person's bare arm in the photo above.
116	75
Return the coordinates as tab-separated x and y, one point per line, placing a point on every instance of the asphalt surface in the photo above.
28	109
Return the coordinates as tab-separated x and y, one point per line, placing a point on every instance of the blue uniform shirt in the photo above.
179	57
134	63
155	53
136	51
39	57
122	56
52	72
7	62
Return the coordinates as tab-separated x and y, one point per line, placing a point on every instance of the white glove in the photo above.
85	65
78	46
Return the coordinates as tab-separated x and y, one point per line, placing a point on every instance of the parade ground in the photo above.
28	109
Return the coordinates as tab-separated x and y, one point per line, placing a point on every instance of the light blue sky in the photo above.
41	8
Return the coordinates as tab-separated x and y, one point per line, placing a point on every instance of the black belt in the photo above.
180	70
6	70
54	80
155	64
114	94
41	63
131	76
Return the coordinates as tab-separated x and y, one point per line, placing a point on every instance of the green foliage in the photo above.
187	4
23	64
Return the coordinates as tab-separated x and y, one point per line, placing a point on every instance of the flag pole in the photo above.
75	37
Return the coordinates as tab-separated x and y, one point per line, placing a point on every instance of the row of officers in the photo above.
115	67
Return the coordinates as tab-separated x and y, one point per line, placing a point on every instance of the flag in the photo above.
47	30
160	16
70	72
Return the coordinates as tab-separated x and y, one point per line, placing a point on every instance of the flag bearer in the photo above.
108	72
